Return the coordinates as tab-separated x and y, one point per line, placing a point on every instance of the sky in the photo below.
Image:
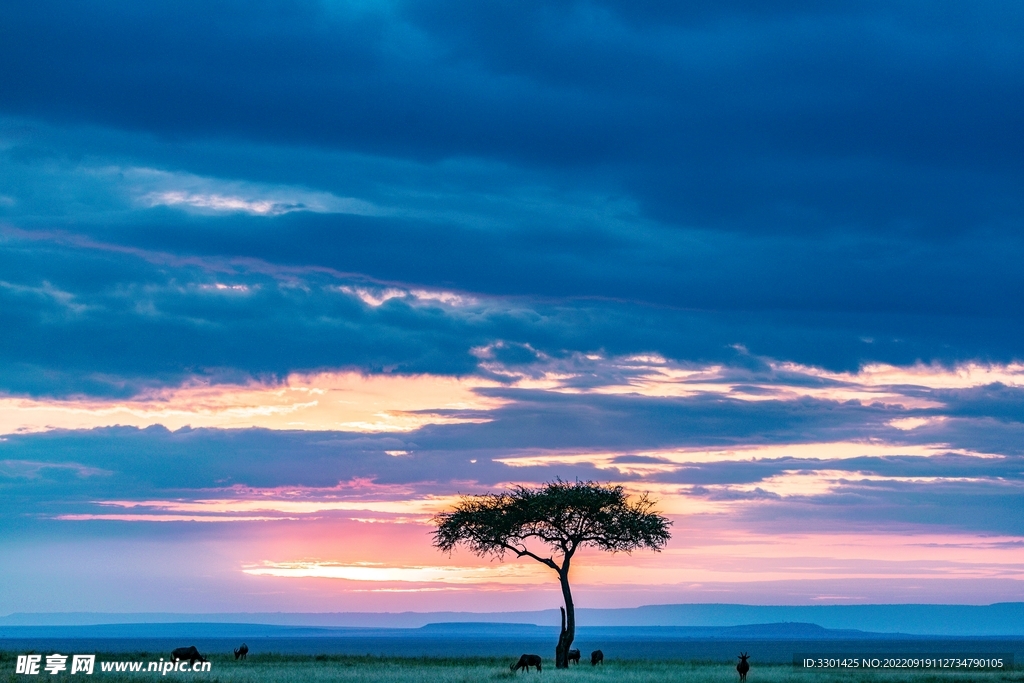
280	280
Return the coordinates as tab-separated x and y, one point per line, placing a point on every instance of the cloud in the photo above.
346	402
762	261
816	102
683	459
905	400
237	318
153	187
821	511
560	265
372	571
30	469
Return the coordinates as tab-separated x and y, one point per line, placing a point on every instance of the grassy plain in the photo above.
270	668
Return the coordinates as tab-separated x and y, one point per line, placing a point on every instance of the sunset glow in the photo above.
282	283
338	401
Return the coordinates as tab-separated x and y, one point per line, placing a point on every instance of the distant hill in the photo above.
957	620
791	629
780	631
455	631
1001	619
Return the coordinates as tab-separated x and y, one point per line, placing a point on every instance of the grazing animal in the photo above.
573	656
190	653
525	662
596	657
241	652
743	667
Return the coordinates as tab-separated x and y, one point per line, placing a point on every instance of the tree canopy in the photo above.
564	516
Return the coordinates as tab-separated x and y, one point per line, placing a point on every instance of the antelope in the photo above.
743	667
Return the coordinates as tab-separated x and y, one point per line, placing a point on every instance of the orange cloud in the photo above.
670	460
273	505
345	401
962	376
655	376
516	573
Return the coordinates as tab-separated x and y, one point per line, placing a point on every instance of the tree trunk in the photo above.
568	632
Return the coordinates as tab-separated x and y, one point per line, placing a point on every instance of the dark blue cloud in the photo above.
831	185
874	118
95	319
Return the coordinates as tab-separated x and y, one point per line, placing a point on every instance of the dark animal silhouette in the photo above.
525	662
743	667
241	652
573	656
596	657
190	653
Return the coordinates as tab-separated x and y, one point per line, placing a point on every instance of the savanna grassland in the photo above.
270	668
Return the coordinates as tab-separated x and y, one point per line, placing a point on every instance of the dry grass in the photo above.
270	668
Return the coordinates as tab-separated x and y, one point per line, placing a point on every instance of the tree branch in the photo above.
521	552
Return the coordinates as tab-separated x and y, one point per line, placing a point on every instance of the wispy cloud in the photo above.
345	401
917	387
34	469
680	457
419	508
154	187
379	572
158	518
377	296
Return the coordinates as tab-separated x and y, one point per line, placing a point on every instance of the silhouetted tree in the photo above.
560	515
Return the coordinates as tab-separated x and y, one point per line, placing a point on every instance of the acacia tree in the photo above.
560	515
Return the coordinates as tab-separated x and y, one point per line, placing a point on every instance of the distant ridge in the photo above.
459	631
1001	619
786	630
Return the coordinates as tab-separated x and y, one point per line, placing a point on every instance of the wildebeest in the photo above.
190	653
241	652
573	656
596	657
525	662
743	667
